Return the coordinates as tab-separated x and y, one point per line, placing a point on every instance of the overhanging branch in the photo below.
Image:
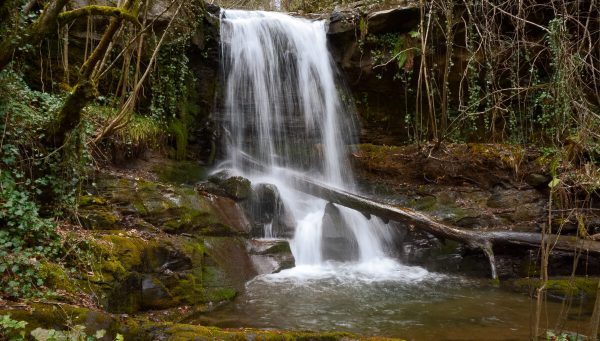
106	11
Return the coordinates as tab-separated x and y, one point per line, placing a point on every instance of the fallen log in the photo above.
483	240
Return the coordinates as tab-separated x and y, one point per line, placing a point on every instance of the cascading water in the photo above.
284	108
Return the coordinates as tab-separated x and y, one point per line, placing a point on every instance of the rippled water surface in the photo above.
385	298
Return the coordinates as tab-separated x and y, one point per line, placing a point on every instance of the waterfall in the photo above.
284	106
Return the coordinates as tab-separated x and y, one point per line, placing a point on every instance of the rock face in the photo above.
203	55
270	256
363	44
160	245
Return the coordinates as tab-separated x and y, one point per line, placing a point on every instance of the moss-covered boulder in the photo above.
95	213
66	317
585	288
234	186
136	272
184	332
148	205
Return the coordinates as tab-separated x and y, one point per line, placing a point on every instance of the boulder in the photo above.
270	256
235	187
265	207
338	242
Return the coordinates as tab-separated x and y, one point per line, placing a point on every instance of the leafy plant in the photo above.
12	330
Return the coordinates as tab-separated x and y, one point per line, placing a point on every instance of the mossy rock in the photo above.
561	287
160	273
98	218
177	209
181	172
236	187
64	317
57	277
180	332
171	208
96	213
280	247
91	200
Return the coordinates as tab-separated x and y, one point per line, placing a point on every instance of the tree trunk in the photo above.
70	114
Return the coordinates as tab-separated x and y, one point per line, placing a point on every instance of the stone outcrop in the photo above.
159	243
361	42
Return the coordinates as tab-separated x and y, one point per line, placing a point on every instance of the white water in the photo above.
284	107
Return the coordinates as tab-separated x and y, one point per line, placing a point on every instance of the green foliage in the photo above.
139	134
12	330
393	47
171	85
29	174
564	336
25	240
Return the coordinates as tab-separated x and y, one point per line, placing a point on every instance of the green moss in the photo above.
187	332
220	294
510	155
569	286
427	203
283	247
181	172
98	218
88	200
194	250
57	277
190	289
128	250
64	316
179	131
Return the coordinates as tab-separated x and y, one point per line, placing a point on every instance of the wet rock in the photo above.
228	264
232	214
338	242
236	187
265	207
270	256
210	188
